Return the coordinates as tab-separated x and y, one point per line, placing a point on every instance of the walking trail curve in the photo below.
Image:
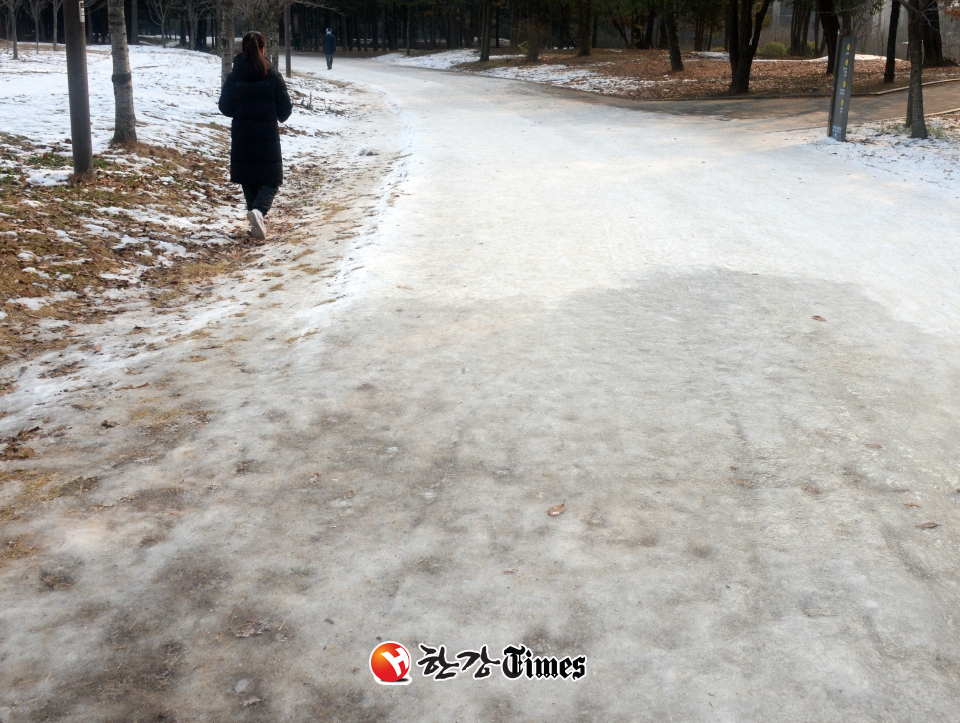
777	114
730	354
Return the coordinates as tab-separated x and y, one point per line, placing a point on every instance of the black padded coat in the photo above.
255	104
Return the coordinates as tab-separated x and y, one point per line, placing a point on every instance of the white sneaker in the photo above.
257	227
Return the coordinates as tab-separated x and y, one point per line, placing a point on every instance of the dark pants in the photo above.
259	197
329	61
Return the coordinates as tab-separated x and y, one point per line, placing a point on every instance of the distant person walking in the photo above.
329	47
255	96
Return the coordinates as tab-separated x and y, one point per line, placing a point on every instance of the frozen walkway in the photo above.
572	301
731	354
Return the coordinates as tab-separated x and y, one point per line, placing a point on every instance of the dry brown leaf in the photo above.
107	424
557	509
819	318
251	628
927	525
351	493
873	445
911	504
510	571
741	482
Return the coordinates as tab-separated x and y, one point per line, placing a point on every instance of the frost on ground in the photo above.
647	74
887	146
557	74
153	216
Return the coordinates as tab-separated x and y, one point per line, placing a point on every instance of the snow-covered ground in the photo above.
175	94
552	74
888	148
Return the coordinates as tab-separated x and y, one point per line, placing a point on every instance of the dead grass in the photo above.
703	77
58	242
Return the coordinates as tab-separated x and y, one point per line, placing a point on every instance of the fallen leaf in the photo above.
819	318
741	482
351	493
734	468
251	701
107	424
911	504
328	620
557	509
131	386
510	571
251	628
927	525
873	445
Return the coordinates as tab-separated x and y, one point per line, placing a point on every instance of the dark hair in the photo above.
252	49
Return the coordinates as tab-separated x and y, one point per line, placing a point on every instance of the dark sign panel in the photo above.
842	88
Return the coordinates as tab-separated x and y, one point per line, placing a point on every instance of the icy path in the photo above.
516	193
551	300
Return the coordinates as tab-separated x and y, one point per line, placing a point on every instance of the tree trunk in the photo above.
228	32
273	37
890	71
743	38
125	121
799	24
485	12
583	28
13	33
831	32
134	23
648	31
932	39
56	14
673	38
287	27
915	119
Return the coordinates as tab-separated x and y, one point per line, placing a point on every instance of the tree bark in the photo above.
649	30
891	70
125	120
915	119
932	39
485	12
287	32
673	40
831	31
13	29
228	32
134	22
583	27
743	37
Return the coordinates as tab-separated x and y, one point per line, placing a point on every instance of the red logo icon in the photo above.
390	664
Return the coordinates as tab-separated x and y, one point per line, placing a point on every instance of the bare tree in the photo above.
13	7
125	121
916	12
228	32
35	10
160	10
57	4
743	36
485	9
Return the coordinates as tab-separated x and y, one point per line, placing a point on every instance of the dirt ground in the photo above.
707	77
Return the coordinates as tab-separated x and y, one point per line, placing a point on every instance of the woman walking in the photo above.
255	96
